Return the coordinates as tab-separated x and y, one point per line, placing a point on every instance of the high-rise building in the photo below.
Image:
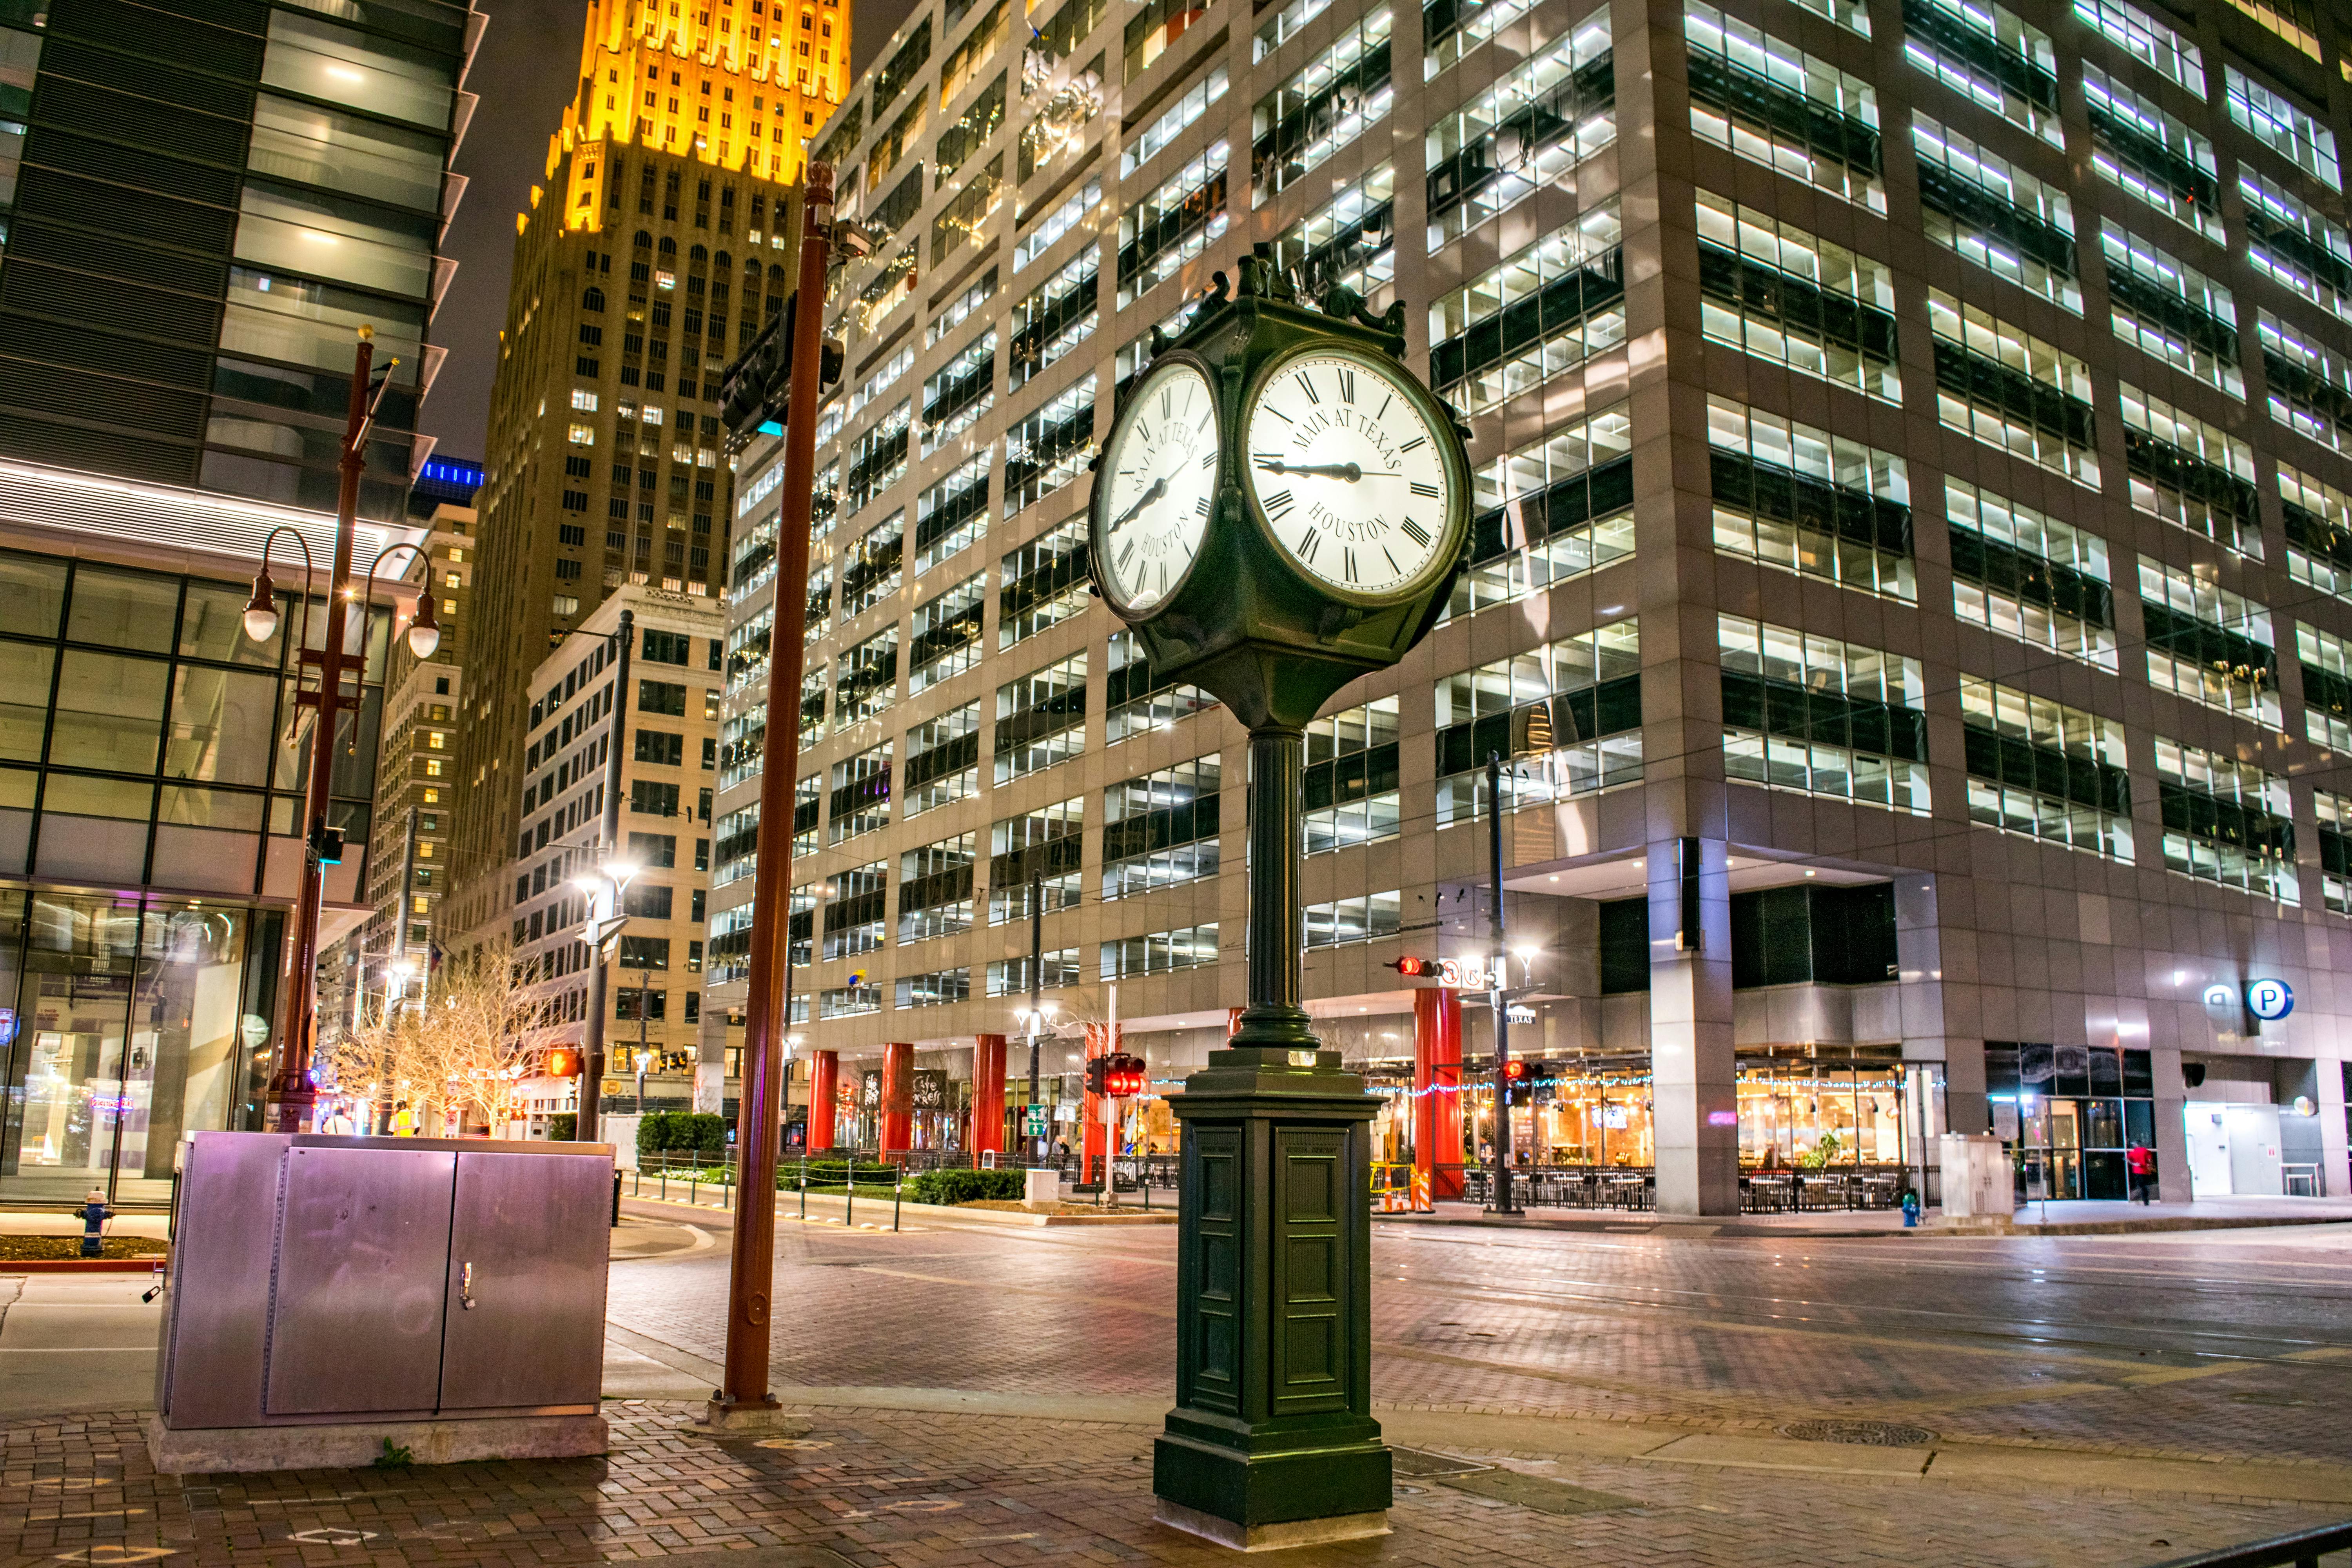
668	729
650	257
200	203
1911	590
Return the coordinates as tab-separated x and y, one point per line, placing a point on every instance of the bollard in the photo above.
805	1187
897	1188
616	1197
850	1188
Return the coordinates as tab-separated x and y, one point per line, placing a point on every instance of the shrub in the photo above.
966	1186
561	1125
701	1131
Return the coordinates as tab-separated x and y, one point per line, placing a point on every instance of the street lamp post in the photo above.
608	837
290	1098
609	880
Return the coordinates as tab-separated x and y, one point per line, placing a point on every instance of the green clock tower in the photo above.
1281	507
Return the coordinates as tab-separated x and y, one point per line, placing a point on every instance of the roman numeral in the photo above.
1346	386
1347	563
1394	570
1308	387
1276	504
1277	412
1309	544
1427	492
1126	554
1208	459
1384	407
1416	441
1415	533
1163	576
1201	505
1167	403
1263	457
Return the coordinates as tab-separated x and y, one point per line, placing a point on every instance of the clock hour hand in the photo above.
1352	472
1159	489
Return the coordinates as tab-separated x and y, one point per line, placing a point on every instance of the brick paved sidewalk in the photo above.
881	1488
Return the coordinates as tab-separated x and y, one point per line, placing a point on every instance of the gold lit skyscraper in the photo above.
651	255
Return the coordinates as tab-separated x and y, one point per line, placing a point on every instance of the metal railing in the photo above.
2304	1548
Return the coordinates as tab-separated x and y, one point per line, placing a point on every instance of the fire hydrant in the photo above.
94	1216
1910	1210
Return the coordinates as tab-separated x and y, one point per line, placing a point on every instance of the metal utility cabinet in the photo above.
329	1294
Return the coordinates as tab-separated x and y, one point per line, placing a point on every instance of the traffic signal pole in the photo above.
1497	1002
744	1402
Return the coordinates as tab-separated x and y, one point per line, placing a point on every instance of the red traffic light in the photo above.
1418	968
1514	1071
1119	1076
562	1061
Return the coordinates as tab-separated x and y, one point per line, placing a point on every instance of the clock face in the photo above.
1159	476
1348	472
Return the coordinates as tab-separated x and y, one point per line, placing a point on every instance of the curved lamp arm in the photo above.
425	628
261	610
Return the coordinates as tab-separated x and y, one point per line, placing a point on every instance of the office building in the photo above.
669	728
650	255
199	204
1913	504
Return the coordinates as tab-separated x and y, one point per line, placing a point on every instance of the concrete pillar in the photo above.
988	1094
824	1098
1437	1092
897	1122
1695	1111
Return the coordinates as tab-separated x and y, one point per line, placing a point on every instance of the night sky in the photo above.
525	74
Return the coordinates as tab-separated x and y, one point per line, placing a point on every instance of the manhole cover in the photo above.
1871	1434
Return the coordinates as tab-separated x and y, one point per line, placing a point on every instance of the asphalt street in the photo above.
2219	1344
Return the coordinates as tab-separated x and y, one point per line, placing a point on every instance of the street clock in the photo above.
1282	506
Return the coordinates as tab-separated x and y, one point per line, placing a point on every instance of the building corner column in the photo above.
825	1099
1693	1110
894	1126
988	1094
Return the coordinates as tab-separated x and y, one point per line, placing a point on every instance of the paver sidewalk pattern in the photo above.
989	1398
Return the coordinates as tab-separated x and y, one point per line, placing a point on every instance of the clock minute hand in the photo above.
1352	472
1159	489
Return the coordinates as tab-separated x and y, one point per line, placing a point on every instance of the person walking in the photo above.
403	1121
2139	1164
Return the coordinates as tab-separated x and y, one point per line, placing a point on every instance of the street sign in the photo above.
1036	1124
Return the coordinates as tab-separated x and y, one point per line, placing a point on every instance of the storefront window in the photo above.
122	1030
1822	1107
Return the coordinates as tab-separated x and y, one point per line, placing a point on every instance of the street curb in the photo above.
930	1214
80	1265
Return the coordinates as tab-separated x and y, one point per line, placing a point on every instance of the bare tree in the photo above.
480	1033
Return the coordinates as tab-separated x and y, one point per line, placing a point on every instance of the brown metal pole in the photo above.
766	1014
290	1095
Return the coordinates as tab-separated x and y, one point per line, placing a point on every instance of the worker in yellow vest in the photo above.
403	1121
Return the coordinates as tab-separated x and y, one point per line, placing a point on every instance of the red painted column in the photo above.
987	1134
824	1098
897	1122
1436	1083
1099	1043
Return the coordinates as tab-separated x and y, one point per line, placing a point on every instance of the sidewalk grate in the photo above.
1420	1464
1869	1434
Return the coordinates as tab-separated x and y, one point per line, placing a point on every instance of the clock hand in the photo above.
1352	472
1159	489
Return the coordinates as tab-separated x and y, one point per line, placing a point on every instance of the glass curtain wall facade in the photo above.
2001	533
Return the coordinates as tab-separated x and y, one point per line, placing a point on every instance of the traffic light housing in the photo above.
563	1061
1515	1073
757	390
1119	1075
327	844
1417	968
